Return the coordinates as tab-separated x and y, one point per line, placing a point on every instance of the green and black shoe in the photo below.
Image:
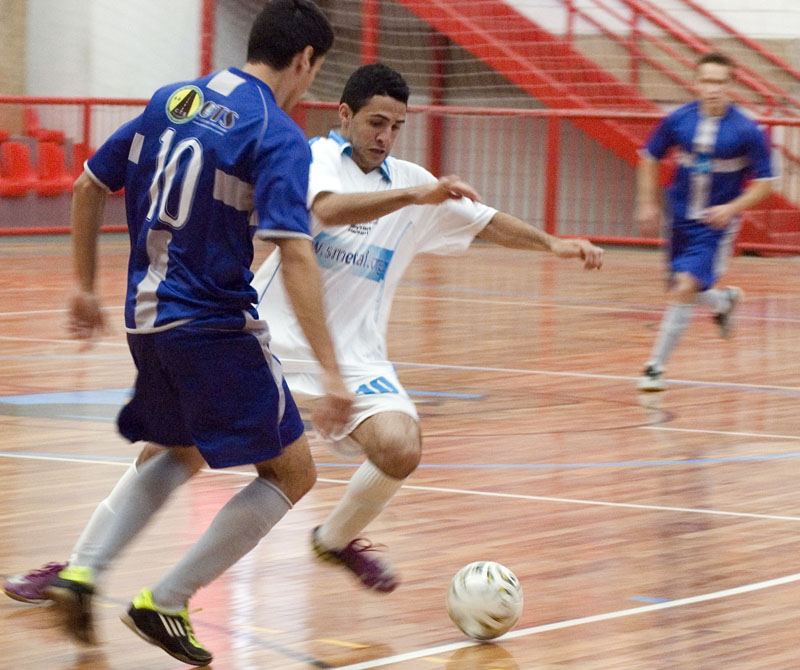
170	630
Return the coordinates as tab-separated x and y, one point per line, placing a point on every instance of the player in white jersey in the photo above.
207	165
719	147
372	214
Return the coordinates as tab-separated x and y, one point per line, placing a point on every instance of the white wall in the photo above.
758	19
109	48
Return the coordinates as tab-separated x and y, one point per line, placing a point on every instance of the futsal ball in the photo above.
484	600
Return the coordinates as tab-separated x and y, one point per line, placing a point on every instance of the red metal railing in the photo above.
550	197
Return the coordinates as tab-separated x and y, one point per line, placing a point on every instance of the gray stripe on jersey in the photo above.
225	82
705	137
136	148
145	312
232	191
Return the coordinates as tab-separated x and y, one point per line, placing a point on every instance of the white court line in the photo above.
722	432
439	489
94	343
582	621
477	368
526	302
586	375
50	311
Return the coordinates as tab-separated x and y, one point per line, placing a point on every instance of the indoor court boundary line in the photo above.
30	312
722	432
588	375
437	489
479	368
582	621
554	303
522	300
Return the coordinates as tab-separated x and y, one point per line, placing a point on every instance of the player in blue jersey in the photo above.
207	166
718	150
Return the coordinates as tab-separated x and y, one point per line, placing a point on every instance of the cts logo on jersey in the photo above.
184	104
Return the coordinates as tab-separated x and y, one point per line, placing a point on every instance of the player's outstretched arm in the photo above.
88	202
509	231
303	286
347	209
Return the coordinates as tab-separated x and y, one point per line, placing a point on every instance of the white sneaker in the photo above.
652	379
724	320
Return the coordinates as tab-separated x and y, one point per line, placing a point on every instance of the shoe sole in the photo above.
66	601
652	389
130	623
22	599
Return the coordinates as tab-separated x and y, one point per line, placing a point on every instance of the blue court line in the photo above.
120	396
86	417
446	394
98	397
647	599
77	457
730	387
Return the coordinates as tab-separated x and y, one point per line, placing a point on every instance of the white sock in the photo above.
140	498
673	324
715	298
368	492
88	542
234	531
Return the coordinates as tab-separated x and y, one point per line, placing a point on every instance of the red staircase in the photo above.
545	66
551	70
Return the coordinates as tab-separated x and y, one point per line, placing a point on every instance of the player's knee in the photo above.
149	450
399	456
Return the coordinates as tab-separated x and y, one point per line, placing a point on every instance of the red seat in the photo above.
4	135
17	178
54	179
80	154
30	126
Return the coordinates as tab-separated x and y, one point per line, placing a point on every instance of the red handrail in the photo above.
755	46
746	75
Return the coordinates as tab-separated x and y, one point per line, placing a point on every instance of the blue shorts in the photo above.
221	390
700	250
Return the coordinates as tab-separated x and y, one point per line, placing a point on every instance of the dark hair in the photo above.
284	28
370	80
716	58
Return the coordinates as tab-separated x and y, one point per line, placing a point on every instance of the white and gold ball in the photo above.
484	600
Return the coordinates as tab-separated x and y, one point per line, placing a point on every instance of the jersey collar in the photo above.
347	150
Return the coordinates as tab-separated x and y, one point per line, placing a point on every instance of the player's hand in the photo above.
85	316
331	414
719	216
591	255
648	217
451	187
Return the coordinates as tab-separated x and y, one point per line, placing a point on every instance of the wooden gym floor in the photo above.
648	531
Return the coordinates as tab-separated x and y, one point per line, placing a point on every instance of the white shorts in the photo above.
376	390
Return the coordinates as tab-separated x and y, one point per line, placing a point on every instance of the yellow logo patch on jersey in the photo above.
184	104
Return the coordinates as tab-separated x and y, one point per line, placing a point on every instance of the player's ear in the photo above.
345	113
302	59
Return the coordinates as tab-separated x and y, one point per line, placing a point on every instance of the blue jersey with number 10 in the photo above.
208	164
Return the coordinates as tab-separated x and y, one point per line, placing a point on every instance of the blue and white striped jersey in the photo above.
208	164
715	156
